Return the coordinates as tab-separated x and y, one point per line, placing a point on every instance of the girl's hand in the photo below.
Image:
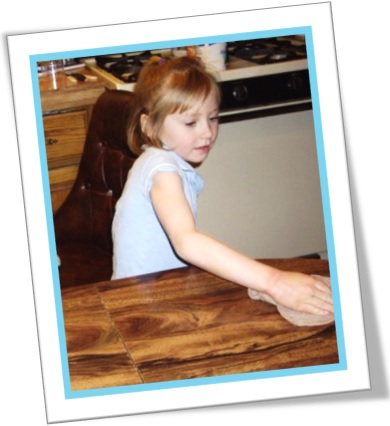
301	292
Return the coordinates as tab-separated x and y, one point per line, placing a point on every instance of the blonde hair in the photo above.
165	87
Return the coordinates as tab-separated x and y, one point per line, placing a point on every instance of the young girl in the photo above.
154	227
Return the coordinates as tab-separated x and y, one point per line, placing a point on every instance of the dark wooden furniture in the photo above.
82	224
184	324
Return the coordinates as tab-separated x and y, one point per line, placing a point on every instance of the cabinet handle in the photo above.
52	141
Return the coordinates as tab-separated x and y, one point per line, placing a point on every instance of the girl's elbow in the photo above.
185	247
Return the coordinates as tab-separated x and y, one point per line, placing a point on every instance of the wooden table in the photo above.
184	324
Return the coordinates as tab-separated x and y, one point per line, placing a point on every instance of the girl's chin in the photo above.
199	156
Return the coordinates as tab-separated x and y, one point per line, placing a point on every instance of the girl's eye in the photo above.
215	118
190	123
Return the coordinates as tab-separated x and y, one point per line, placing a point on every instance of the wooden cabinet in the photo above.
65	134
66	114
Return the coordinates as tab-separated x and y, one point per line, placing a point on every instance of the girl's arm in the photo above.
294	290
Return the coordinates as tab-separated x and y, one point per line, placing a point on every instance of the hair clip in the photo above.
162	61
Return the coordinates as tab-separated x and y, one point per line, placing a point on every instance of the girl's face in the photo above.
191	134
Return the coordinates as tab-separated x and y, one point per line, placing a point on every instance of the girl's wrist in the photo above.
268	282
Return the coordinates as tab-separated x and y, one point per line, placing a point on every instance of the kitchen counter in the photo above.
71	94
184	324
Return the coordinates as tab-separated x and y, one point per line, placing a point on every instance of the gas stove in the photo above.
269	51
245	59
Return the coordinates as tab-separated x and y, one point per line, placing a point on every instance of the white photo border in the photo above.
351	373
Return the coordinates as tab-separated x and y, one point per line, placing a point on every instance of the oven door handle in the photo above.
240	114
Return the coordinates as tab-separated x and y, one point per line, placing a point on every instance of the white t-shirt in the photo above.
140	243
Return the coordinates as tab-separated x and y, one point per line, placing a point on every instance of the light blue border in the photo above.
342	365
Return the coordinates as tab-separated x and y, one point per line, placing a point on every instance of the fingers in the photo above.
320	304
320	307
316	296
315	310
324	295
322	283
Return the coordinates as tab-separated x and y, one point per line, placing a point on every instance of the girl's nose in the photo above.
207	130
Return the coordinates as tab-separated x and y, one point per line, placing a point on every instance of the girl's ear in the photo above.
144	122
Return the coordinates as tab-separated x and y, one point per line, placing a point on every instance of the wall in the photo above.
262	191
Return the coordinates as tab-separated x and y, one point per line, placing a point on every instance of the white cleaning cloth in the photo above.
296	317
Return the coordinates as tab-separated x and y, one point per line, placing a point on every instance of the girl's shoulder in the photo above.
153	160
154	157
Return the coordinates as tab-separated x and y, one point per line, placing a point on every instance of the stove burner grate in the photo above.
125	66
268	51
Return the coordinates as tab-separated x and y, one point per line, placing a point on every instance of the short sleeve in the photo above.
159	163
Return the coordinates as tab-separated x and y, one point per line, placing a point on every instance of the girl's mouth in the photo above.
204	148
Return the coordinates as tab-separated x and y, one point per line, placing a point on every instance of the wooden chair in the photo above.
83	223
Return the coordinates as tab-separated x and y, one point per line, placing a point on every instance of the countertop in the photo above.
184	324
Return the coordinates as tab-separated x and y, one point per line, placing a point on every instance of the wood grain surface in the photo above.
184	324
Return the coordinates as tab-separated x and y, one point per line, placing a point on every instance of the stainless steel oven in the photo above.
262	192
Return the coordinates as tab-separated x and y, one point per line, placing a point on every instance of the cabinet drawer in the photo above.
64	137
62	175
61	182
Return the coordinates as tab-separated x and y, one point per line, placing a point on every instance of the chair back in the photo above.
87	213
